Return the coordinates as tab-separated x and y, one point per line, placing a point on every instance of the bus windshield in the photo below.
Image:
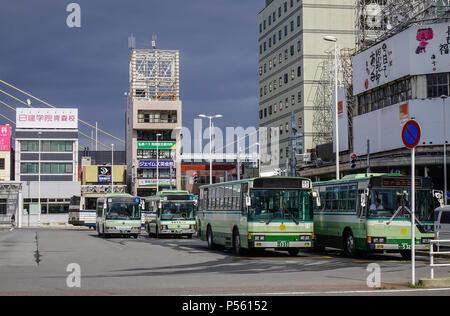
123	210
268	205
177	210
385	203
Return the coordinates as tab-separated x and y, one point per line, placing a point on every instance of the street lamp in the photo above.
334	40
210	117
157	161
112	168
39	179
444	97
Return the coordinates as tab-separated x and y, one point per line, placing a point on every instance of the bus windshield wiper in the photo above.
398	210
293	218
273	217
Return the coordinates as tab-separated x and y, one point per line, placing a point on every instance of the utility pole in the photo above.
368	157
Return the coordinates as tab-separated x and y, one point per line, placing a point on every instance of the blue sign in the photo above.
411	134
152	164
102	178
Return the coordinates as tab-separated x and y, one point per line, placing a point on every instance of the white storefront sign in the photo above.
418	50
47	118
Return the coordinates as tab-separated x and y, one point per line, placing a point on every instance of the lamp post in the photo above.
336	116
157	161
112	168
210	117
39	179
444	97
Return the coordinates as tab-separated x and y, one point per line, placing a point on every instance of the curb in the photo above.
435	283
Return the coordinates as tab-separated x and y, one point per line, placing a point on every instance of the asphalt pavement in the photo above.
42	261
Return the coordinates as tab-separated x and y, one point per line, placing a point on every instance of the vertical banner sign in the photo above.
411	137
5	138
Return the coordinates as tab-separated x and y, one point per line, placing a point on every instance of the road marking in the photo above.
329	292
283	258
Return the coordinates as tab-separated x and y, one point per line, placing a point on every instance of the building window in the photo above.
299	46
260	28
285	30
300	123
399	91
260	114
281	105
57	146
298	20
287	127
265	112
56	168
270	42
292	26
279	35
270	20
2	163
285	78
274	39
286	102
146	116
437	85
292	99
275	108
299	97
151	154
3	206
260	71
29	145
285	6
279	11
292	74
281	129
29	168
273	16
299	71
270	110
292	50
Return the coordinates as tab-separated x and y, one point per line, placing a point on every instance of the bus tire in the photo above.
349	244
293	252
209	239
237	249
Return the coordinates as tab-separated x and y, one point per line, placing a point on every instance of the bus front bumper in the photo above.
375	247
122	230
177	232
281	244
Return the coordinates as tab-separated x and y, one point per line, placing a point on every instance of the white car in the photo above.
442	223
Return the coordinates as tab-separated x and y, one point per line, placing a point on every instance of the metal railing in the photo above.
437	242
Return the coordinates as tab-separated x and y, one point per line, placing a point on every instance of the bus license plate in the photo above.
282	243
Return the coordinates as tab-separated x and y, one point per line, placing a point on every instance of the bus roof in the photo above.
111	195
250	180
173	192
359	177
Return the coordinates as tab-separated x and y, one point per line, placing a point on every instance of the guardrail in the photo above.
438	252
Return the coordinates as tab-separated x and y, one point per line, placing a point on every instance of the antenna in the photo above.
131	42
154	38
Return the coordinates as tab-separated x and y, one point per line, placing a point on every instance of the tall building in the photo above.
46	158
153	122
291	54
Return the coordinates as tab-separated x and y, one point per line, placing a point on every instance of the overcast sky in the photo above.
87	67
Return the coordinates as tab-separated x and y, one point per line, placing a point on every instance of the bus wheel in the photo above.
237	250
293	252
209	238
349	244
406	254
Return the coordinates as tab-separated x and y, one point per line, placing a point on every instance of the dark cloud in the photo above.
88	67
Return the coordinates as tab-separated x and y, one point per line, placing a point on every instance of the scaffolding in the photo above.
380	19
154	74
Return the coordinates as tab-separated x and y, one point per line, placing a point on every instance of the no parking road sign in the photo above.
411	134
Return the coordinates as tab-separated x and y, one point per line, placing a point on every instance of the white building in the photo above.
291	51
46	162
153	122
399	79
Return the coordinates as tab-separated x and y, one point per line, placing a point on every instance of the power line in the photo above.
49	105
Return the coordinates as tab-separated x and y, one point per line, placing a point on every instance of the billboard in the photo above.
418	50
152	163
156	145
104	174
5	138
47	118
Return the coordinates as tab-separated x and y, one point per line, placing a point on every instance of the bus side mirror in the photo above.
439	195
248	201
316	195
363	200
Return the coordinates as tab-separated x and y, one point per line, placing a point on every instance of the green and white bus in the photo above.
371	213
170	213
267	212
118	214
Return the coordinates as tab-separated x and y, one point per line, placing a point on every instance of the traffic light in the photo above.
353	159
195	177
